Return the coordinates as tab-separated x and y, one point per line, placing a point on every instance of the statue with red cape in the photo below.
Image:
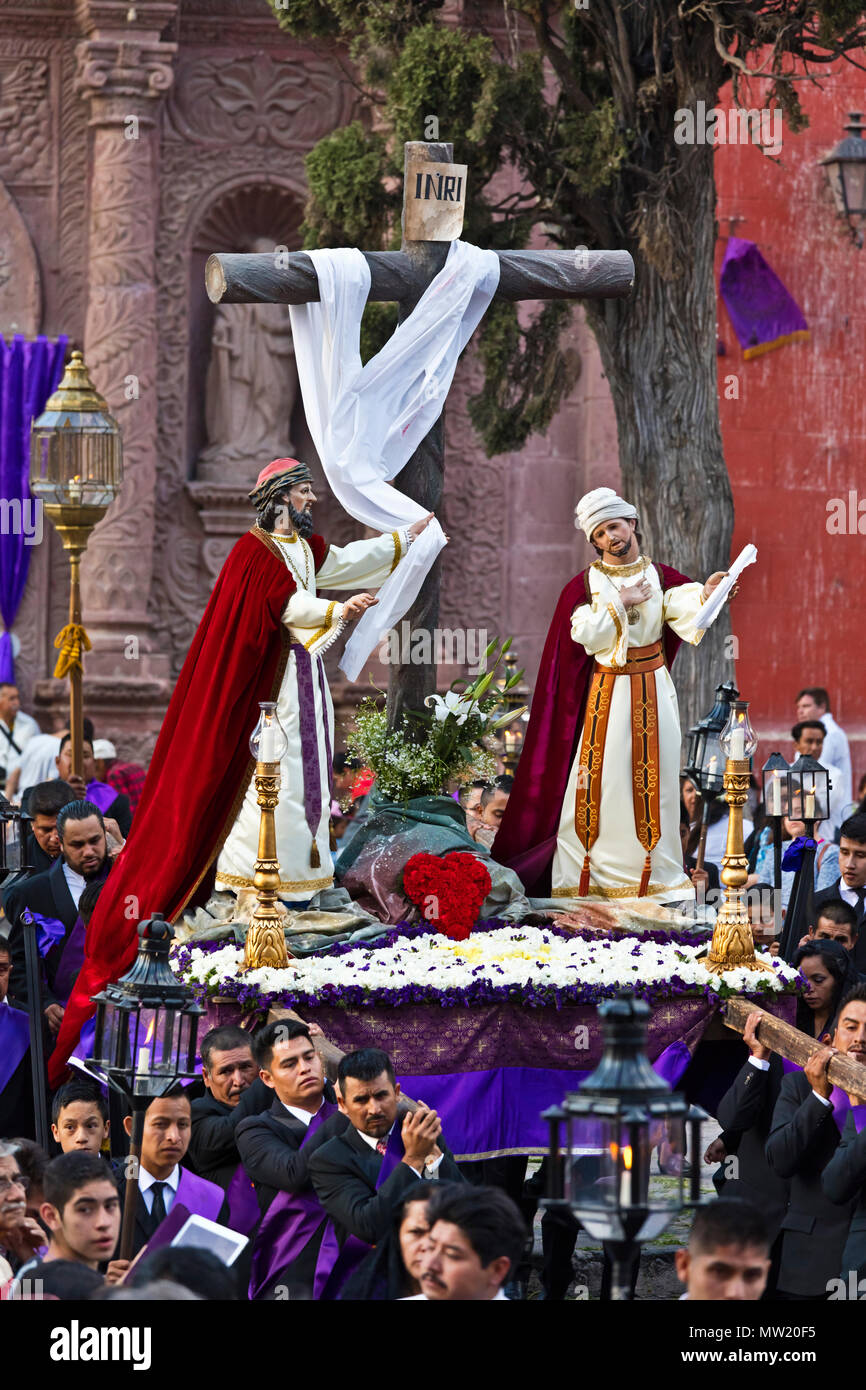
594	811
261	638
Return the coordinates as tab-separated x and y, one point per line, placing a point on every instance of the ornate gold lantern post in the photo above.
733	947
266	941
76	468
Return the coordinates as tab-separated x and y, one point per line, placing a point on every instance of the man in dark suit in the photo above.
745	1113
16	1084
851	884
45	800
274	1144
54	896
844	1178
235	1091
361	1174
804	1135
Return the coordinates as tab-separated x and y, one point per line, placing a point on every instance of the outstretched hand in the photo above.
356	605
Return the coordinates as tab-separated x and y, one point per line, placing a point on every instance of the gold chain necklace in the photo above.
290	540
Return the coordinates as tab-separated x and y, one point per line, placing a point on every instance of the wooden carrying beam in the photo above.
257	278
795	1046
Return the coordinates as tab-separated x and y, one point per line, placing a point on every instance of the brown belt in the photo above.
641	662
638	659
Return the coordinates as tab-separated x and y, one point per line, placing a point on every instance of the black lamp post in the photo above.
776	785
145	1042
621	1112
846	171
809	789
705	761
513	703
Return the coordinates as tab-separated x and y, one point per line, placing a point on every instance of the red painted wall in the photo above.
795	438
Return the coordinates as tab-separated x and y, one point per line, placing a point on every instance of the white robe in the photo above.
617	856
316	623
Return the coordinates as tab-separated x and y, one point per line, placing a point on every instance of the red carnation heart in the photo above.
448	890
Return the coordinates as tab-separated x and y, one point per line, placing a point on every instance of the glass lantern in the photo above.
846	172
146	1023
705	761
776	786
75	448
268	740
810	788
738	739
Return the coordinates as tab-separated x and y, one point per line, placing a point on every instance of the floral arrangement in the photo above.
449	889
425	752
537	967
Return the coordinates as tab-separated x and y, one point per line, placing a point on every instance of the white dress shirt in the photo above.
24	728
305	1116
431	1167
76	883
498	1297
145	1187
851	896
836	750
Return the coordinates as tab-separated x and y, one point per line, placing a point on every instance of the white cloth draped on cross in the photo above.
367	421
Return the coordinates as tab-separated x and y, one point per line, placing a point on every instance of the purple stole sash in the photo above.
288	1225
341	1263
101	794
309	739
50	932
243	1208
200	1197
859	1113
14	1041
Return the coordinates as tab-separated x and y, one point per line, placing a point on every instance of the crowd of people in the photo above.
342	1187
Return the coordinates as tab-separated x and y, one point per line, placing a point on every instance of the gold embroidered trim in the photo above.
625	890
398	550
623	571
285	540
238	881
267	541
322	631
617	622
329	616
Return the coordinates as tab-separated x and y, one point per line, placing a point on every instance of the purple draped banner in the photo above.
491	1070
29	372
764	313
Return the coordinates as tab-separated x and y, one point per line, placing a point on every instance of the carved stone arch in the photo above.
20	280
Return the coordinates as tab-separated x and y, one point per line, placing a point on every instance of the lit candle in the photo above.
714	762
738	743
776	795
625	1180
143	1059
268	745
809	813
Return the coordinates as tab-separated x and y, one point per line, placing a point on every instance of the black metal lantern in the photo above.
147	1023
600	1170
512	707
846	172
705	761
809	788
776	787
145	1042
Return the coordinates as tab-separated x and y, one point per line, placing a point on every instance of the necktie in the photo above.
381	1146
157	1210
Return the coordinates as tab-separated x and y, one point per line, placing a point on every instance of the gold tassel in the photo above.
645	877
583	887
315	861
332	839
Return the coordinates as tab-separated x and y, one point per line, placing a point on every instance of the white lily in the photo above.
450	703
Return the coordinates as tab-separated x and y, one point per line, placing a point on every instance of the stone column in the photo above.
124	71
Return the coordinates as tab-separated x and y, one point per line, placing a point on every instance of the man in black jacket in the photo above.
348	1172
804	1136
54	896
850	886
235	1091
745	1113
46	799
844	1178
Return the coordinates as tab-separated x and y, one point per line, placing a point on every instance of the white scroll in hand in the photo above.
713	606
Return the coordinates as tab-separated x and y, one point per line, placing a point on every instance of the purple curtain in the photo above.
29	372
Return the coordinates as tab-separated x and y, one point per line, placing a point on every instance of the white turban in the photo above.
602	504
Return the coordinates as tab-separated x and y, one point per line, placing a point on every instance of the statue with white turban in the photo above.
594	812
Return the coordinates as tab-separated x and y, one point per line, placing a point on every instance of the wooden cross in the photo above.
403	276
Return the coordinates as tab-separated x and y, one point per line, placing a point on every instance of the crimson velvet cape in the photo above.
200	769
526	840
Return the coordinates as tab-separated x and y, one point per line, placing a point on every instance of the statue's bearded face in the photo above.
297	506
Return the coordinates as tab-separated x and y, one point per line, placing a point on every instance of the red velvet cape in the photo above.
200	769
526	840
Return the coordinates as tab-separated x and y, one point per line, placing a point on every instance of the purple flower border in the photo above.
481	992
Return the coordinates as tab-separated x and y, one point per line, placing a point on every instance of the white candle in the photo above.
738	743
625	1179
268	744
809	813
143	1059
776	795
714	762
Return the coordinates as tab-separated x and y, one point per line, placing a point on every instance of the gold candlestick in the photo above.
266	941
733	946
